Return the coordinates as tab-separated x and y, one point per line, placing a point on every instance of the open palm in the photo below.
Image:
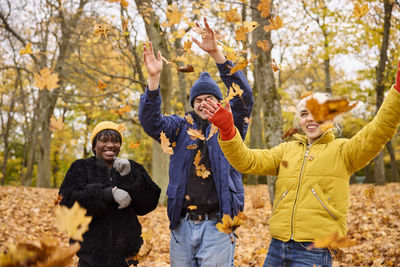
208	42
153	65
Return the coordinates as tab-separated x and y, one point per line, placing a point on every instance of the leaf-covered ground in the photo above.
374	222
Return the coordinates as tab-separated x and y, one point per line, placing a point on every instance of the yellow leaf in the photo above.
194	146
124	25
189	119
73	221
264	45
265	7
241	65
275	24
124	3
101	30
174	16
232	15
369	193
201	170
56	124
250	25
165	144
187	46
232	56
227	225
360	11
333	241
192	207
214	130
241	32
26	50
195	133
46	80
186	68
101	85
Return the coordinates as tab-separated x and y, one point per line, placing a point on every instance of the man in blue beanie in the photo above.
197	200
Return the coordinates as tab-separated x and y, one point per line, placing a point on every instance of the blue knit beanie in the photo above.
205	85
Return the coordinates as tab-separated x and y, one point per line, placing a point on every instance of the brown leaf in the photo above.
187	68
165	144
46	80
328	110
195	133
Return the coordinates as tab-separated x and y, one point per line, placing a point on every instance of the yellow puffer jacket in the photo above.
312	186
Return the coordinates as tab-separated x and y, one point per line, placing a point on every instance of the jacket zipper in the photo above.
298	188
323	204
283	195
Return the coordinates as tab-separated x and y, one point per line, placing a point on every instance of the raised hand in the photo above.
122	166
209	43
397	85
153	65
221	117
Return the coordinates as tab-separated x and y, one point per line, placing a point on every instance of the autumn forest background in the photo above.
69	64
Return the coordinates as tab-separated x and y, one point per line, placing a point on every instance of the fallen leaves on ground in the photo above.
28	214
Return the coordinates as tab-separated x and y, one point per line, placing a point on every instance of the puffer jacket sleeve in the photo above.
144	192
241	109
75	188
251	161
370	140
151	119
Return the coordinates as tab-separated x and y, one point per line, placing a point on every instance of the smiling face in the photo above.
310	127
107	146
198	104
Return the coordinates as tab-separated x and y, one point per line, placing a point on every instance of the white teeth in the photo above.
311	127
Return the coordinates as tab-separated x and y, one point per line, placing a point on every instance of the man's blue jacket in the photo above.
228	181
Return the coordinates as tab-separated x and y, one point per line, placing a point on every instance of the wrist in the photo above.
228	134
154	82
218	56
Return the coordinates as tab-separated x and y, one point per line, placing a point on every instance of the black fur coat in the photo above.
113	234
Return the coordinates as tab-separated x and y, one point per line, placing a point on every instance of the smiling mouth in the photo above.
109	153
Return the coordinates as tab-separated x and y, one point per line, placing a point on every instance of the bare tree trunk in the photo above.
268	93
380	70
393	164
160	160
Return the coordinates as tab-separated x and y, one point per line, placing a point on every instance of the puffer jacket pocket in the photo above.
282	195
323	200
171	202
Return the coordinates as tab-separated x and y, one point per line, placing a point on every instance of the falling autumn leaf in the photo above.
326	126
73	221
194	146
101	85
192	207
241	65
250	25
56	124
229	225
232	15
124	25
187	68
189	118
26	50
274	66
46	80
234	90
123	110
241	33
213	130
174	16
275	24
328	110
195	133
187	46
133	145
124	3
201	170
265	7
360	11
264	45
369	193
333	241
165	144
58	200
101	30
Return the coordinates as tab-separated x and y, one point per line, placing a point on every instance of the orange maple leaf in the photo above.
165	144
360	11
133	145
241	65
234	90
56	124
229	225
275	24
195	133
46	80
274	66
123	110
328	110
265	7
201	170
232	15
241	32
264	45
101	85
194	146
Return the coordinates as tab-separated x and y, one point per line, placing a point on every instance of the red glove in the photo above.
397	85
223	119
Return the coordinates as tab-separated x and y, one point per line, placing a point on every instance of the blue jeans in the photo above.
199	243
296	254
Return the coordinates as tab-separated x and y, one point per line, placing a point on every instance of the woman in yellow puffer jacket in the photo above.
313	171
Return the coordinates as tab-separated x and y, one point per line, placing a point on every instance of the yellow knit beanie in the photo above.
107	125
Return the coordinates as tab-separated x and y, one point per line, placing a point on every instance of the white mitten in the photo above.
122	166
121	197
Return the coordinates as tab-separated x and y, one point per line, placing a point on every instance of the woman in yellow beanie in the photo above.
114	191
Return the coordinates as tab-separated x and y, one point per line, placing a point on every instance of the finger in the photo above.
209	108
212	103
159	56
196	41
151	51
209	114
206	24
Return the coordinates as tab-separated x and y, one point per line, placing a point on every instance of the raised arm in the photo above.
370	140
153	65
